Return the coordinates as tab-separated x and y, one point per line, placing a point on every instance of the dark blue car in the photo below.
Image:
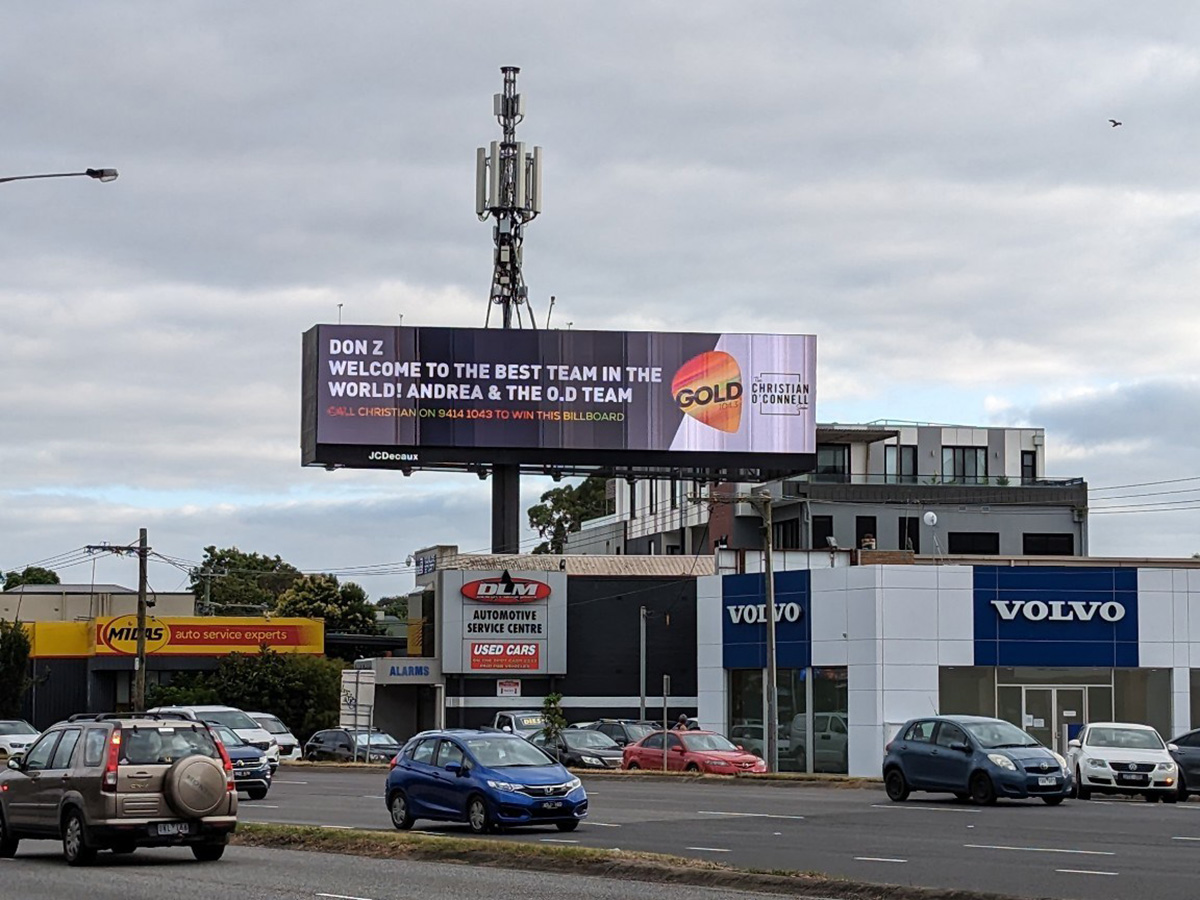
973	758
488	779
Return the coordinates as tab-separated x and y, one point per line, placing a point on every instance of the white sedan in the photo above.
15	737
1122	758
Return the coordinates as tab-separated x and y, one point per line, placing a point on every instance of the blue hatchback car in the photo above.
973	758
488	779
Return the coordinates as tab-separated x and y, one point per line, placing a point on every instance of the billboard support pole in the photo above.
506	509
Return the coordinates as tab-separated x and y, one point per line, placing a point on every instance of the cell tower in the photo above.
508	188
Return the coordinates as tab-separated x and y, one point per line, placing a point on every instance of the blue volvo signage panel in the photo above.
1056	616
744	621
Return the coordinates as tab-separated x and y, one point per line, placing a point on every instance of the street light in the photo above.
98	174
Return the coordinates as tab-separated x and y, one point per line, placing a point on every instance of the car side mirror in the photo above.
454	768
507	728
676	749
1074	744
739	746
961	747
1174	748
14	762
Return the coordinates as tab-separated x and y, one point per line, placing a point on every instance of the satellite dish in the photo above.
930	519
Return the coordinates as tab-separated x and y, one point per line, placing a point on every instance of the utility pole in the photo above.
142	550
642	669
508	189
761	501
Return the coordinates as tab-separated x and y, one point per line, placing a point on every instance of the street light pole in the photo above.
105	175
771	729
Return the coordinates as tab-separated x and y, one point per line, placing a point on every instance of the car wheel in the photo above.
1150	798
478	817
567	826
1183	791
257	793
633	766
74	839
402	818
692	768
1082	791
208	852
8	843
896	786
1052	801
983	791
1169	798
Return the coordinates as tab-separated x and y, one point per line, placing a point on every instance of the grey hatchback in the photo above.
118	783
973	758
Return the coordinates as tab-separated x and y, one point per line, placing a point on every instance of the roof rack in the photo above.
106	717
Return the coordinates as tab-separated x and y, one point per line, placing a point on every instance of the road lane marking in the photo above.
709	849
372	797
342	897
280	781
886	859
1085	872
343	827
748	815
556	841
259	806
973	812
1040	849
604	824
1185	838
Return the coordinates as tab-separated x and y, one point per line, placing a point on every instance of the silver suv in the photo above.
118	783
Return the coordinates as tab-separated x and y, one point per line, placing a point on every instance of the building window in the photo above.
822	531
967	465
787	535
833	463
900	464
1028	466
910	534
1048	544
865	530
974	543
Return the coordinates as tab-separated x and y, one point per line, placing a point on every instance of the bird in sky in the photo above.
1115	123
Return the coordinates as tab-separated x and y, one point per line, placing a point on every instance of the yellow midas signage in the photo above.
208	637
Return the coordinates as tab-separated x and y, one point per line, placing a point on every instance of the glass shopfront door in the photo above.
1049	711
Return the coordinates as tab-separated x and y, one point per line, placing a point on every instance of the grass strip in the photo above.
573	860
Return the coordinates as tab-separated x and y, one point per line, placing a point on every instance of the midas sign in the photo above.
208	636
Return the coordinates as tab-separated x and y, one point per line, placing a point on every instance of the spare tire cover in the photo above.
195	786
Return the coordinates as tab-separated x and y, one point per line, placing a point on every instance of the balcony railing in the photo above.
934	480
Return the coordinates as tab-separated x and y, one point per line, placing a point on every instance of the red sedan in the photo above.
691	751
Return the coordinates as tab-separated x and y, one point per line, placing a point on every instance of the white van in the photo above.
242	725
289	748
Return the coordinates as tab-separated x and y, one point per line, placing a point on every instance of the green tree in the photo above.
394	606
553	720
563	510
344	607
30	575
232	578
14	668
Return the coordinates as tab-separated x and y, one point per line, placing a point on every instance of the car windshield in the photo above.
232	718
588	740
228	736
165	744
375	739
997	733
17	726
1125	738
708	742
502	753
271	724
529	721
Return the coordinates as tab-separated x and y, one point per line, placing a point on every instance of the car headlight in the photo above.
1002	761
717	762
1097	763
1062	763
503	785
591	761
1166	767
574	783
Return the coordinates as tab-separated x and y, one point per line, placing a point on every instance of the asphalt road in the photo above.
247	873
1095	850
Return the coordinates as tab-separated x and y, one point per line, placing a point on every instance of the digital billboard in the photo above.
396	397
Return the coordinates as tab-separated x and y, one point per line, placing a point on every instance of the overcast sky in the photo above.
932	189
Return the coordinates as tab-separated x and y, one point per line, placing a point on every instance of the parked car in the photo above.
231	717
753	739
581	748
251	771
1185	750
351	745
15	737
830	742
488	779
585	725
522	722
289	745
975	758
691	751
1123	758
118	783
624	731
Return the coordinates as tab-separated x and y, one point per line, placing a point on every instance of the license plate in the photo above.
1134	777
165	828
1047	780
552	804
